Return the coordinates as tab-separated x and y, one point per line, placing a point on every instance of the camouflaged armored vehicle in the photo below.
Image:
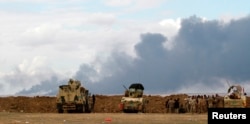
73	98
235	98
133	100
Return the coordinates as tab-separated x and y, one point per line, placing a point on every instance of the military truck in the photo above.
73	98
235	98
133	100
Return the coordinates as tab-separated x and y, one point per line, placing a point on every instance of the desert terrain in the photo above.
101	118
103	104
42	109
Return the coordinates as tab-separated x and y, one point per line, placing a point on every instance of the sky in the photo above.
170	46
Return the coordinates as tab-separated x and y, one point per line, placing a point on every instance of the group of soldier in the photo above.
194	104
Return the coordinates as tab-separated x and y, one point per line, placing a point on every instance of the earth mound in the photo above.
104	103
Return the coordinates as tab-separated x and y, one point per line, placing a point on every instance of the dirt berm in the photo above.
104	103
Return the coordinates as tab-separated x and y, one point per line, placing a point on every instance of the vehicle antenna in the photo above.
228	83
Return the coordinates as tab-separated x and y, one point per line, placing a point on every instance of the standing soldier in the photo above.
193	104
210	102
187	104
220	101
199	104
166	105
204	103
176	105
171	105
93	100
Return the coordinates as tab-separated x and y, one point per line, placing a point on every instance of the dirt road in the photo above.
101	118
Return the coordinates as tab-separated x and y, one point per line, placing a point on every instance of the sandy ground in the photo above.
101	118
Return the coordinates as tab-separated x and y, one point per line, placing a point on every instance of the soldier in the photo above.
219	101
176	105
166	105
193	104
199	104
215	101
171	105
187	104
204	103
93	100
210	102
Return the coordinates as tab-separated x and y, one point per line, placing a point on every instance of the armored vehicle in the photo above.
235	98
73	98
133	100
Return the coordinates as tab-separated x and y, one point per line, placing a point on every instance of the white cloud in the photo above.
142	4
26	75
171	27
133	5
29	67
102	19
117	2
67	36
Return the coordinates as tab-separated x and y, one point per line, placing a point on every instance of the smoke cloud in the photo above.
205	55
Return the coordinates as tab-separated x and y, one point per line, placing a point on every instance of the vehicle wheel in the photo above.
59	108
83	109
143	110
60	111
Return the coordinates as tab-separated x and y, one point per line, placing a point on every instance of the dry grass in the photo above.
101	118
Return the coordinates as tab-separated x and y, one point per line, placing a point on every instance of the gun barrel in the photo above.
125	87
